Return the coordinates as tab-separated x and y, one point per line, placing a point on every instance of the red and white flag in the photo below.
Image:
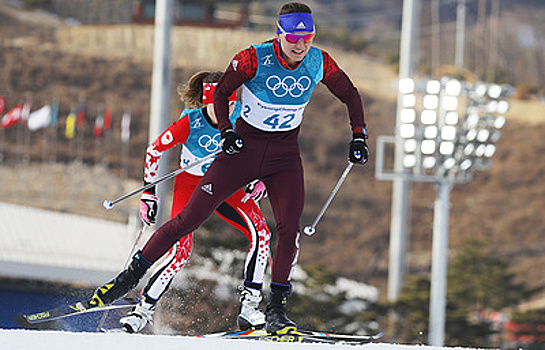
12	117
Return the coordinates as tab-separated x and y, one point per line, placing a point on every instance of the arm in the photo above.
340	85
241	69
176	133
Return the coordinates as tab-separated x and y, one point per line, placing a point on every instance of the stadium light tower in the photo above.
448	129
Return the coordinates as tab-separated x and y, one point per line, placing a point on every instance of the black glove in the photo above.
359	151
231	142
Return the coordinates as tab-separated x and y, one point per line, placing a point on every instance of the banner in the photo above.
2	104
12	117
126	126
54	112
70	130
99	124
40	118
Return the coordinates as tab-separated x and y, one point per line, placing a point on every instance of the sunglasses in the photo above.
294	38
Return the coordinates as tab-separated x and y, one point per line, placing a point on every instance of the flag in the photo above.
70	130
81	115
12	117
99	124
107	115
2	104
54	112
126	126
39	118
25	112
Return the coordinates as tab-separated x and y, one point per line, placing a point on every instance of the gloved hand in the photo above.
149	204
359	151
256	190
231	142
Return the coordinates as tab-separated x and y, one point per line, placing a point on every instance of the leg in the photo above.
286	194
175	260
243	213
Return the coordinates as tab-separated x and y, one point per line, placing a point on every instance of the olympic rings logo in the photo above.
288	85
211	144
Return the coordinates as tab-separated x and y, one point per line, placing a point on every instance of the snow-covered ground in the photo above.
54	340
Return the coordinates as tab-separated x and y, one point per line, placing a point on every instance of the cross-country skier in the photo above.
197	131
277	80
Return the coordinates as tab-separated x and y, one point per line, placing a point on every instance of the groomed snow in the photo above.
55	340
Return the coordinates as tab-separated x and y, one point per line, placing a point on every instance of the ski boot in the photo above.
277	320
141	315
249	316
122	284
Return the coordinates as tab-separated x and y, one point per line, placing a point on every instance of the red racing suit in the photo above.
239	210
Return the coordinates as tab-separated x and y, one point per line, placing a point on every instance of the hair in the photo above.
294	7
191	93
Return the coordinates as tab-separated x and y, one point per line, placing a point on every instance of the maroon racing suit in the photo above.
272	157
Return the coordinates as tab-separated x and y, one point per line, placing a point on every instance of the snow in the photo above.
18	339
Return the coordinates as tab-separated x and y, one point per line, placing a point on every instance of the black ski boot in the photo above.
277	320
122	284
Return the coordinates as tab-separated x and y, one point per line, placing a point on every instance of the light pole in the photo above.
443	148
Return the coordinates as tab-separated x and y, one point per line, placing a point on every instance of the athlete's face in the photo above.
294	52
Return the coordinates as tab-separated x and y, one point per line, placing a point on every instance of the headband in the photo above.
208	93
295	22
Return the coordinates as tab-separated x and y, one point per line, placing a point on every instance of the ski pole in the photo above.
310	230
110	204
127	262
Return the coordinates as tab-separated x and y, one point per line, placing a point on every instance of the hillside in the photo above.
503	205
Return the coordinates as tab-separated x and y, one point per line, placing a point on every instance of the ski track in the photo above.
20	339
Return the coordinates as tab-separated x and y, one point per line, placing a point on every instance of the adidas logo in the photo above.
207	188
301	25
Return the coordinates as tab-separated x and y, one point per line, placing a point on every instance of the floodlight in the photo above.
451	118
450	103
472	120
446	148
428	117
448	132
492	106
407	115
482	135
490	150
480	89
409	160
430	132
431	102
471	134
479	152
406	86
427	147
449	163
503	107
409	101
429	162
406	131
469	149
433	87
494	91
466	164
409	145
499	122
453	87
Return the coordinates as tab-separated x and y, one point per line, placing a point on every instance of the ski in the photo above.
297	336
76	308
